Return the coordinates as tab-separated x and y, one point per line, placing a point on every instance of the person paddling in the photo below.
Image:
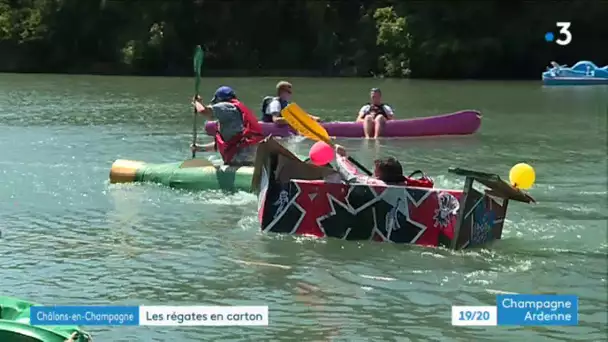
238	131
374	115
272	106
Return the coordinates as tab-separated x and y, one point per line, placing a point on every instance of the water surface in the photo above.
68	237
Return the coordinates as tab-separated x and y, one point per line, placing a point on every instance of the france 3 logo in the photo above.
564	32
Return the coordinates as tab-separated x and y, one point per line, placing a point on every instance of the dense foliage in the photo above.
431	39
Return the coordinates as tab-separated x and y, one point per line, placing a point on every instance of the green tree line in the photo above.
422	39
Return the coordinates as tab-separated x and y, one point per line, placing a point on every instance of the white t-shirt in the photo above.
274	108
387	109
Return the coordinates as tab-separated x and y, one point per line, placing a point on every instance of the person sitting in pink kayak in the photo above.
272	106
374	115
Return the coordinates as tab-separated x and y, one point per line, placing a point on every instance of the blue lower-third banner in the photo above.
527	309
150	315
84	315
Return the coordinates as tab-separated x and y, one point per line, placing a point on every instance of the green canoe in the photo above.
229	178
192	174
15	325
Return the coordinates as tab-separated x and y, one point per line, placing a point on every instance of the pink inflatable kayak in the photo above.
459	123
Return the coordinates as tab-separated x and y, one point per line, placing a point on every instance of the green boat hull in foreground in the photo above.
15	325
192	174
227	178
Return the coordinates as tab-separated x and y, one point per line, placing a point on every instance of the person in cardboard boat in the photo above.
390	171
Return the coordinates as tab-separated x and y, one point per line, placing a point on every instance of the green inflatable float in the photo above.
15	325
208	177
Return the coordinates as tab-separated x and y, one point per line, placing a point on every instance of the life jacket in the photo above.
251	134
265	102
377	110
422	182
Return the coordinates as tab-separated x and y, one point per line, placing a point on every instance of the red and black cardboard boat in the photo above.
300	198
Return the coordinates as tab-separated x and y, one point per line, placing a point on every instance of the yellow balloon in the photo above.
522	176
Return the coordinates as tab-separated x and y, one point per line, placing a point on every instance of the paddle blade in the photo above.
196	163
198	64
299	120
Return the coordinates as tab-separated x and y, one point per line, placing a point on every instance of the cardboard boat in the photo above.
303	199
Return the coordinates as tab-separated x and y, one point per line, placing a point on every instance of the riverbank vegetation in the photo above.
423	39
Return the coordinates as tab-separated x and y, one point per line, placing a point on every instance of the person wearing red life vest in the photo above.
390	171
238	130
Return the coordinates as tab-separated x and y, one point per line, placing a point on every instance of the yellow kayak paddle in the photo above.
299	120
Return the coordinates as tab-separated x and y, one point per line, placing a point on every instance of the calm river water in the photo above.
68	237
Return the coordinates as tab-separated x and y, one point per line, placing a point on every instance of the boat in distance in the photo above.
581	73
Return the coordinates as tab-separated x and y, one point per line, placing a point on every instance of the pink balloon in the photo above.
321	153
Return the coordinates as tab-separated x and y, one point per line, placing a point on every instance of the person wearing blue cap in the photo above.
375	114
238	130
